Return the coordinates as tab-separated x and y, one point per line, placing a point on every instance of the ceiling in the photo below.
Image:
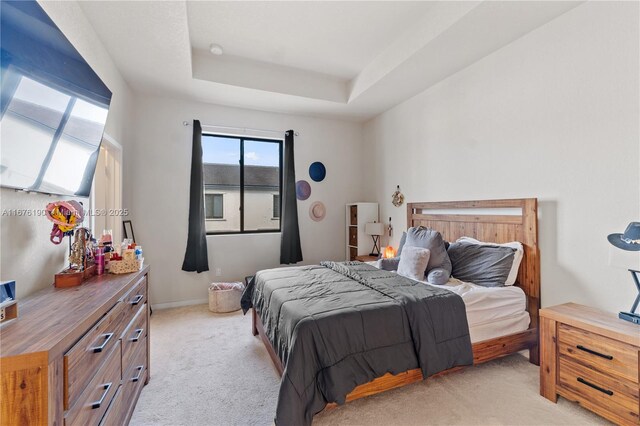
348	60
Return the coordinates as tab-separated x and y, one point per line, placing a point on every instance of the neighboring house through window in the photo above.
213	206
242	179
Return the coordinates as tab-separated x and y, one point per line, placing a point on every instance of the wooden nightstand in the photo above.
591	357
366	258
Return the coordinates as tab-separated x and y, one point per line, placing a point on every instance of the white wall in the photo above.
157	193
554	115
26	255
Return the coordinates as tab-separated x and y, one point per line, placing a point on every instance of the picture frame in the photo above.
128	230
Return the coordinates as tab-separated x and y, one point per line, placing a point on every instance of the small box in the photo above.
8	302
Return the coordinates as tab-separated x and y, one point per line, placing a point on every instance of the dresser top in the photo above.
595	320
52	319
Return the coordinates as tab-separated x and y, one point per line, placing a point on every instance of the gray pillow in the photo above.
439	267
403	240
488	266
413	263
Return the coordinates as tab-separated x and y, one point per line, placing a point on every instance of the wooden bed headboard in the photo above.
489	227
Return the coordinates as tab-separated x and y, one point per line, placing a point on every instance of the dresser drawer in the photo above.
135	298
94	401
134	336
134	377
617	397
598	352
117	411
83	360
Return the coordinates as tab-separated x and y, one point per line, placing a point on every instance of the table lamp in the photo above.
375	229
629	241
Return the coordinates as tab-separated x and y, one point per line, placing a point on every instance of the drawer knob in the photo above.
140	368
596	387
136	300
596	353
137	335
106	337
99	402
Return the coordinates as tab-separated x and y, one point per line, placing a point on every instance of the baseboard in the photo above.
160	306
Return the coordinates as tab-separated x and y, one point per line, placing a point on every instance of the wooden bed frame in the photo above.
484	226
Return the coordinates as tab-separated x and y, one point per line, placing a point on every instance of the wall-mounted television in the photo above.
53	106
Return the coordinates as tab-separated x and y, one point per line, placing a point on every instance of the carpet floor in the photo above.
207	369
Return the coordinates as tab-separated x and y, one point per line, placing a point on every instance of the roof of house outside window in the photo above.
227	176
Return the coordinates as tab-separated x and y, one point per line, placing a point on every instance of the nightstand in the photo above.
366	258
591	357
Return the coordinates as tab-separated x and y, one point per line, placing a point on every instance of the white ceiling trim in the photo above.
153	46
242	72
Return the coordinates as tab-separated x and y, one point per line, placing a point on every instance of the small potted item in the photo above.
225	297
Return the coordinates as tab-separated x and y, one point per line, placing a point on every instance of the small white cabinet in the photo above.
357	215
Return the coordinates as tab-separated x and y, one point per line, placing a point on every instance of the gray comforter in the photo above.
338	325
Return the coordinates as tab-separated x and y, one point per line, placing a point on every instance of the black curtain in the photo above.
196	256
290	249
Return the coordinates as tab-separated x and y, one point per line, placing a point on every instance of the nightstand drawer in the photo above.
617	397
601	353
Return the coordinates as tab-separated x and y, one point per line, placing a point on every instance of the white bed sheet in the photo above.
491	311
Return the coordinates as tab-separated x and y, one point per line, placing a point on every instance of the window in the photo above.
213	206
276	206
249	173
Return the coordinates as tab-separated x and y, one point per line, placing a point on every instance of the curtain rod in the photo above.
186	123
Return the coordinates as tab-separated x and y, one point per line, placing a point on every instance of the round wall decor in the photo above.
317	211
303	190
317	171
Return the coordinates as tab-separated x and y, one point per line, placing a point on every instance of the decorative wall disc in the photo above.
317	211
317	171
303	190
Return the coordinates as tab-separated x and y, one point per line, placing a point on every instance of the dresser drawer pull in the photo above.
138	333
592	352
596	387
137	377
136	300
107	337
99	402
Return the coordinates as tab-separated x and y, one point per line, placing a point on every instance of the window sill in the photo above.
216	220
232	233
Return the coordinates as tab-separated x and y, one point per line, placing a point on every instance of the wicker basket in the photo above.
225	297
125	266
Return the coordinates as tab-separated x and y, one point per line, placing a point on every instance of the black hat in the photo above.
630	240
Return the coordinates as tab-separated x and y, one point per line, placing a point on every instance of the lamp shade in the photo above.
374	228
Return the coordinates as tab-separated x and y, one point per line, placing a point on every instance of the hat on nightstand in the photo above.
629	240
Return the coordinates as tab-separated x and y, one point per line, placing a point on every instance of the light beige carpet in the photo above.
207	369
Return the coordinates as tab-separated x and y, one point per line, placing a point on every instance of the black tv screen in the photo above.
53	106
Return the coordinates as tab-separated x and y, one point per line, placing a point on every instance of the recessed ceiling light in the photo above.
215	49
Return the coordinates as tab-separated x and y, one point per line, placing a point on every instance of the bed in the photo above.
501	321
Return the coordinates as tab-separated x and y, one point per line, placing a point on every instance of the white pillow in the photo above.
413	262
517	257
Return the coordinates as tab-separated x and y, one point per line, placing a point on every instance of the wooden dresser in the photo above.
591	357
77	356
